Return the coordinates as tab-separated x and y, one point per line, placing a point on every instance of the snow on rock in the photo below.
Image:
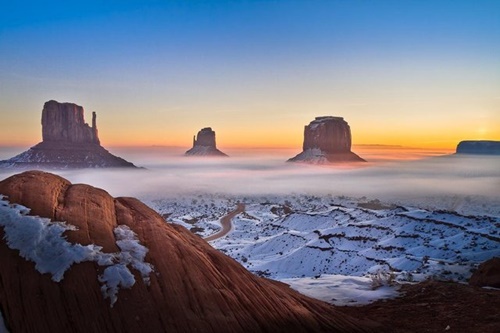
41	241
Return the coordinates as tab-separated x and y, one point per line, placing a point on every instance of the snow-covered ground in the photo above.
341	249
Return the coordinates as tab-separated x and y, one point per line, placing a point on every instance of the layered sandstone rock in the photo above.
487	274
68	142
204	144
326	140
479	147
64	122
193	288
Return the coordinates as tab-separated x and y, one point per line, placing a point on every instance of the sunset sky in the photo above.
413	73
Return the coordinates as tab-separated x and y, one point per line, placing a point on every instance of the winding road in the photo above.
226	223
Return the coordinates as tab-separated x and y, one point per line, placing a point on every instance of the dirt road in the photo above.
226	223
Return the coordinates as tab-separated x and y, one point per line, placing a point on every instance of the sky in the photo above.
413	73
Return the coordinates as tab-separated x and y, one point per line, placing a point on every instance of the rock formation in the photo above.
327	140
64	122
487	274
480	147
192	287
68	142
204	144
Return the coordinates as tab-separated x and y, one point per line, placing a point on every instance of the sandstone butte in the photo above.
194	288
67	142
327	140
204	144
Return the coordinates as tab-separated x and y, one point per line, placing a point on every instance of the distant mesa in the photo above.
479	147
68	142
327	140
204	144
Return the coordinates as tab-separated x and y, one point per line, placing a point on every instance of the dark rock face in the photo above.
487	274
68	142
193	288
204	144
326	140
481	147
65	122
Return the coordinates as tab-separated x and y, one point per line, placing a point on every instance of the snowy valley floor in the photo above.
346	251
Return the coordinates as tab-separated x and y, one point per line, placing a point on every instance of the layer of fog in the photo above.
448	182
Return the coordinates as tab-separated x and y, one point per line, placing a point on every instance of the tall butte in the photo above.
204	144
327	140
68	142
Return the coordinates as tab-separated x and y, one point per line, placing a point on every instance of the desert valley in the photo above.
250	166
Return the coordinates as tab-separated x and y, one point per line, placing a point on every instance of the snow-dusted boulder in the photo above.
74	259
327	140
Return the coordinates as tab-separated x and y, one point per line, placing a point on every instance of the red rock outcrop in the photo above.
68	142
65	122
487	274
327	139
204	144
194	288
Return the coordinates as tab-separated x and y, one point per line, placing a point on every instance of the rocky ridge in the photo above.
204	144
327	140
68	142
193	286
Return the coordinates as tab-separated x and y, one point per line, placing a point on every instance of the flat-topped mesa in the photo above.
64	122
479	147
330	134
204	144
327	139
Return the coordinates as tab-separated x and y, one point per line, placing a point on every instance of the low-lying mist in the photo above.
422	177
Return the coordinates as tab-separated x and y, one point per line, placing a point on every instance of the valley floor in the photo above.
345	251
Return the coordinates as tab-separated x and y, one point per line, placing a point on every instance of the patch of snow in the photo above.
311	155
41	241
342	290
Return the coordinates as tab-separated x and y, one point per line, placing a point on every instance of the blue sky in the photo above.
270	65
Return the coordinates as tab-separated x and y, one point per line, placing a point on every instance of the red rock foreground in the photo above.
194	288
